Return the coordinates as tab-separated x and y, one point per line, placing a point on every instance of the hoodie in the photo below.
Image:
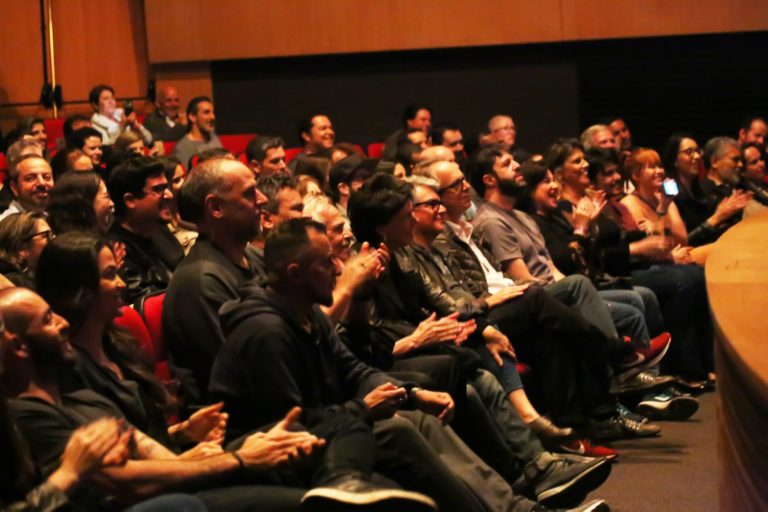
269	364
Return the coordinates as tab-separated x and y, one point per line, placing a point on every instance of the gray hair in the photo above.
589	133
314	206
18	150
715	149
423	181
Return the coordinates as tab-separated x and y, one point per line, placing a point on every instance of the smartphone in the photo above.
128	107
670	188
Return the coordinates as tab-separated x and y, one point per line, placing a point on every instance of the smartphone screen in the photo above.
670	188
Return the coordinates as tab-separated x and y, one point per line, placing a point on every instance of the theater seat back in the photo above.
131	321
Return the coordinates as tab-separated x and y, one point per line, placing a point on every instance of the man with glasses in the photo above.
503	132
141	195
31	184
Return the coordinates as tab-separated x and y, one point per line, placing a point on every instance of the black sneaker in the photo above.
622	427
561	480
668	405
352	493
643	381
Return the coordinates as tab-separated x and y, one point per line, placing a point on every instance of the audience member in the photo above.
266	156
23	236
167	123
111	121
621	133
221	199
344	149
317	135
449	135
74	123
346	177
129	142
200	131
87	140
502	131
283	202
140	192
185	232
416	116
80	202
35	128
754	177
753	129
31	181
598	136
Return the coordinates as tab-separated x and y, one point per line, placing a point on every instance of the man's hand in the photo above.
279	445
498	344
432	330
435	403
730	206
361	270
208	424
385	400
506	294
681	255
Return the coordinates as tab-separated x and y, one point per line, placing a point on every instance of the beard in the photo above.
511	188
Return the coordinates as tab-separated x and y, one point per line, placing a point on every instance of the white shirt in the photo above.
110	128
496	280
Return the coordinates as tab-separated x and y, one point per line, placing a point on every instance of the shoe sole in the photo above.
678	409
582	453
632	372
569	494
323	499
660	383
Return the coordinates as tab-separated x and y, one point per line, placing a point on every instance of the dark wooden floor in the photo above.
674	472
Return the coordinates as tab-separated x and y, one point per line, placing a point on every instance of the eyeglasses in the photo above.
46	233
456	186
691	151
433	204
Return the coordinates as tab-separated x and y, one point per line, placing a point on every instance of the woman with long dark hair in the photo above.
78	277
23	236
80	202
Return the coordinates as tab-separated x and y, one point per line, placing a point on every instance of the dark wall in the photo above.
703	84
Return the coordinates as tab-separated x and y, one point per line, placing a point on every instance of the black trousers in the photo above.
569	355
682	294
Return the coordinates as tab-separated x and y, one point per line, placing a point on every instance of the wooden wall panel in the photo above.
236	29
21	53
190	79
632	18
100	42
195	30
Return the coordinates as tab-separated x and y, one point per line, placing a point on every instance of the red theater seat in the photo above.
291	153
168	148
55	130
131	321
152	310
235	144
375	149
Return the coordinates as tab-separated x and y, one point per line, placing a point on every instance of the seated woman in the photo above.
78	277
80	202
111	121
567	224
130	142
621	248
704	219
23	236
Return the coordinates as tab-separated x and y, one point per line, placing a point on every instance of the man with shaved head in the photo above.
221	198
167	123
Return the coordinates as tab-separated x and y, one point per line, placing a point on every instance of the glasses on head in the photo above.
456	186
46	234
691	151
433	204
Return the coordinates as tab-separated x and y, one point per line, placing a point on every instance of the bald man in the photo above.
167	123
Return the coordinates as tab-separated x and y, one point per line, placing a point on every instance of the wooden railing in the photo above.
737	282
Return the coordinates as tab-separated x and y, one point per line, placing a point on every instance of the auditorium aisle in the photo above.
674	472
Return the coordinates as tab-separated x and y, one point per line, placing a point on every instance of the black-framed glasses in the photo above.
691	151
456	186
433	204
46	233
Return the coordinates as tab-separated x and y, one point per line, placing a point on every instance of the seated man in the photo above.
141	194
31	182
414	116
290	348
316	132
266	156
220	197
201	134
37	344
346	177
283	202
87	140
598	136
167	123
502	132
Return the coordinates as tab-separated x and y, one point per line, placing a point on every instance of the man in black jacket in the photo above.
221	198
281	349
140	192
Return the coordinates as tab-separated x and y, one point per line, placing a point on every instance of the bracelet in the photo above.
240	461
